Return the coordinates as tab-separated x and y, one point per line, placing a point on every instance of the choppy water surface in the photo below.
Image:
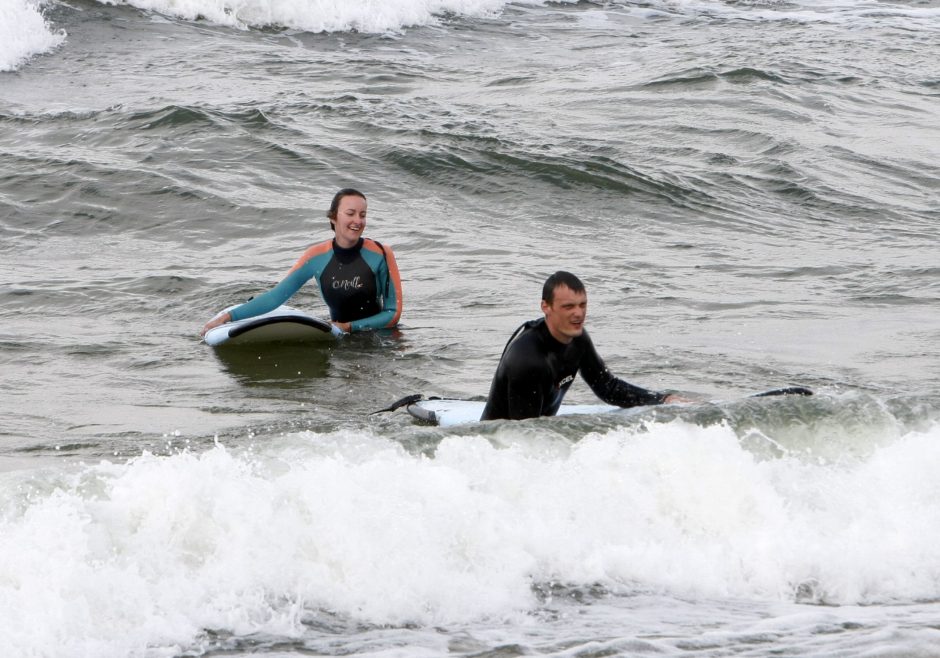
749	191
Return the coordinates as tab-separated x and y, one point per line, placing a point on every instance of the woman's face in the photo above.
350	220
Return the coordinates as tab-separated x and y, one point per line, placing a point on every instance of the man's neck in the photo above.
561	338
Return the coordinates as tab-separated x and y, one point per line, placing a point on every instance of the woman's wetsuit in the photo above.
360	285
535	371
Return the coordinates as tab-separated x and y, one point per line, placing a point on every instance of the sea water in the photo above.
749	191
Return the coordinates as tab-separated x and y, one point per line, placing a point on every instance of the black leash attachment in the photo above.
789	390
398	404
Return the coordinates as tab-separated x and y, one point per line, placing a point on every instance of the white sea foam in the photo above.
395	15
24	33
115	557
325	15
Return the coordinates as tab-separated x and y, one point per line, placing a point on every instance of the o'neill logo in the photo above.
566	380
347	284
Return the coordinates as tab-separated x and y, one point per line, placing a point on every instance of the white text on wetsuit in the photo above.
346	284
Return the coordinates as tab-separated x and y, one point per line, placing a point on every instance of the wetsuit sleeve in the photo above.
525	391
611	389
388	285
279	294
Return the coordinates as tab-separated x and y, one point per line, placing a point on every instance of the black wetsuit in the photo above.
535	371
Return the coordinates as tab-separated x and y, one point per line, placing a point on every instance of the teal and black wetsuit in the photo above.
360	285
535	371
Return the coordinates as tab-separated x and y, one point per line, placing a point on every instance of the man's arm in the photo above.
611	389
522	383
525	391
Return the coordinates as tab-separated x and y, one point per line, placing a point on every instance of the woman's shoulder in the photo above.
317	249
312	252
376	247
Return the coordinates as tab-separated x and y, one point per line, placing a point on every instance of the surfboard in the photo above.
449	412
283	324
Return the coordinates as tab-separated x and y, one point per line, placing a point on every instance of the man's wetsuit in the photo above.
535	371
360	285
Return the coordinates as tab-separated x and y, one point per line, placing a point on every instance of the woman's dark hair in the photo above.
560	278
334	205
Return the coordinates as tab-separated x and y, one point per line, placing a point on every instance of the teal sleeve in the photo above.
273	298
389	293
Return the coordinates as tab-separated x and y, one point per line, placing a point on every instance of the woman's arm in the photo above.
388	285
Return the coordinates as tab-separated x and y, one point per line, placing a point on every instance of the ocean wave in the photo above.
391	16
135	151
24	33
324	15
266	540
799	11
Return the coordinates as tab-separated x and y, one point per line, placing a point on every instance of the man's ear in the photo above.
545	306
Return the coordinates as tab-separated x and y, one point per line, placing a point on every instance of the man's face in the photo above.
564	317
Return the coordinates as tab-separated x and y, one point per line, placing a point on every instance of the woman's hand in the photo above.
345	327
221	318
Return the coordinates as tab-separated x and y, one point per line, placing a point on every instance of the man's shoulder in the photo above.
527	335
584	338
526	349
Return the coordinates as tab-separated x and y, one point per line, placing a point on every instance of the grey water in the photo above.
750	193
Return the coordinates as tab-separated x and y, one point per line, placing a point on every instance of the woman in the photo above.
358	277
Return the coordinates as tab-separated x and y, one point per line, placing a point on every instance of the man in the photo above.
543	356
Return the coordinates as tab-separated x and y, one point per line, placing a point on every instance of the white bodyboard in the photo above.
283	324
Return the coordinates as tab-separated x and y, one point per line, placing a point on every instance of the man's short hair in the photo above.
560	278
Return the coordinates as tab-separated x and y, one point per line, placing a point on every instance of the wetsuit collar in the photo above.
553	343
347	250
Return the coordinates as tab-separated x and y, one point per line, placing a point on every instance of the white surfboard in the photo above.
447	413
283	324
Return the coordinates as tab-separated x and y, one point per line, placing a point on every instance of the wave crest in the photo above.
322	15
24	33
